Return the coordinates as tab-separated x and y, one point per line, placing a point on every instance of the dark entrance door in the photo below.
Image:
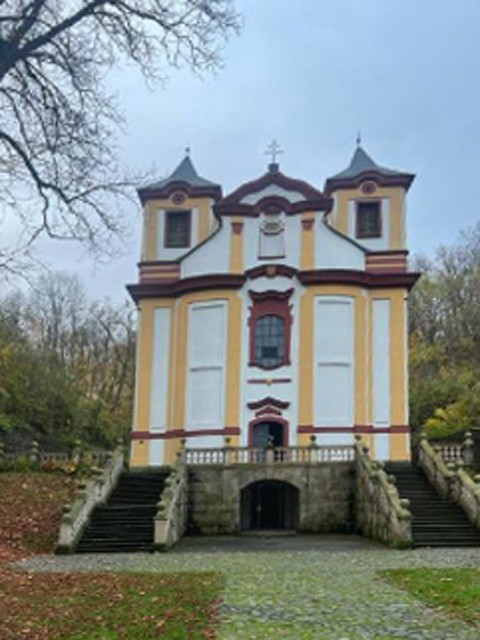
269	504
265	433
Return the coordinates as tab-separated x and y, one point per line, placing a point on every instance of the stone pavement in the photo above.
301	587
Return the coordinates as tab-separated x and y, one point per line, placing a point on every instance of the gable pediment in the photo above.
292	195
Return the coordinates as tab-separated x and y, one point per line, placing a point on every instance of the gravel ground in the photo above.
304	587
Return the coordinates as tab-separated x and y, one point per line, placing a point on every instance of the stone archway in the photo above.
269	505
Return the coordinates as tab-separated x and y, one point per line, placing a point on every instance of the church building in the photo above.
274	313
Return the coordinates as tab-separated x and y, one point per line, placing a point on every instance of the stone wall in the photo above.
326	493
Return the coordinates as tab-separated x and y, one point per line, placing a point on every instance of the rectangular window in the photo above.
177	229
369	221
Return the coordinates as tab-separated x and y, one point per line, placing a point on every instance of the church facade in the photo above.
274	313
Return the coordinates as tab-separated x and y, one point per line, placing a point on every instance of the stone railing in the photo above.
171	518
457	451
451	480
380	512
36	457
89	494
312	454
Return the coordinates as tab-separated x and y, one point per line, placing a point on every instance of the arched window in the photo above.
269	341
270	325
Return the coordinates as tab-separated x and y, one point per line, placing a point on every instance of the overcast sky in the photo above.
311	73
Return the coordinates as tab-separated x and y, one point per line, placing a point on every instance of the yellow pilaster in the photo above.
139	453
307	259
204	217
232	391
361	364
236	246
305	381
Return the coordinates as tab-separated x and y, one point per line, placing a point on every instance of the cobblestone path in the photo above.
318	593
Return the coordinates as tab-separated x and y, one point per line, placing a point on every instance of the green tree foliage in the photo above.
66	364
445	339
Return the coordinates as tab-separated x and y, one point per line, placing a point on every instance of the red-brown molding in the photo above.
268	381
149	193
187	285
358	428
283	423
237	227
400	180
280	180
367	279
271	204
389	252
267	296
307	225
258	404
271	270
184	433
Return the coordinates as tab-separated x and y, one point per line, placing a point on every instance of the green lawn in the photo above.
93	606
454	591
106	606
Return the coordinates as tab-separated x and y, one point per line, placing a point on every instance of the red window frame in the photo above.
359	233
168	216
270	303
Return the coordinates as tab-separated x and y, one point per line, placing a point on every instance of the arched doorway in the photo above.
268	432
269	504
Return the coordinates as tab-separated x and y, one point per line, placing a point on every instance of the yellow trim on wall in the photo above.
399	446
396	196
307	255
205	221
140	453
233	370
236	247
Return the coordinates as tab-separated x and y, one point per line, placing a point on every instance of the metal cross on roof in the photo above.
273	149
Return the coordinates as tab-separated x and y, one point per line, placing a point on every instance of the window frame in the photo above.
378	232
270	303
169	213
269	336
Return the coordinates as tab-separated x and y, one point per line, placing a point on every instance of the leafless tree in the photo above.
59	173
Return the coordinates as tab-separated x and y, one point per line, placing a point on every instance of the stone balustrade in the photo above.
451	479
36	457
171	518
90	493
457	451
229	455
380	512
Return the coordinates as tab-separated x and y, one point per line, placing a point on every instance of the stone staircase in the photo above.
436	522
125	522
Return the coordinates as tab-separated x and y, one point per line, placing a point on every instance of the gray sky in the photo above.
311	73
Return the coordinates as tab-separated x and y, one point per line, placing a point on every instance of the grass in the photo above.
454	591
93	606
107	606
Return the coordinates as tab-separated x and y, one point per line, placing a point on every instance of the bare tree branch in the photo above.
59	171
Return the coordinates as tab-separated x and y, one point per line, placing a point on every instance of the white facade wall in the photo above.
334	366
251	389
332	251
205	392
211	257
381	363
160	369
